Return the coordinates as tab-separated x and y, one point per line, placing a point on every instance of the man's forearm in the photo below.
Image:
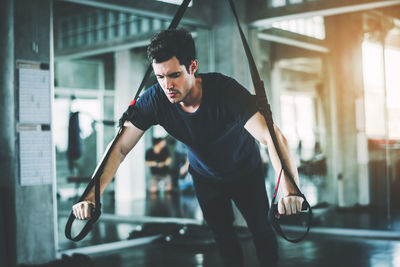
151	163
258	128
128	139
165	162
109	171
287	185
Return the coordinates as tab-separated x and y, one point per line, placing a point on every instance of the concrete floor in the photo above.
316	251
332	249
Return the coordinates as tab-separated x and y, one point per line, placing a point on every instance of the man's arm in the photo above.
258	128
185	167
153	163
128	139
164	163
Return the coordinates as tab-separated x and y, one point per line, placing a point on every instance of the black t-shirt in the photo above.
219	147
160	157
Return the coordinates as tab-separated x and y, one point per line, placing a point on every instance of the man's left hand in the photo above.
289	205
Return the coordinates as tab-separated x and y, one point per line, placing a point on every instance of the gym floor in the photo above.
316	251
376	245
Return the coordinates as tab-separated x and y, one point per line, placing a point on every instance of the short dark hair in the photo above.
172	42
157	140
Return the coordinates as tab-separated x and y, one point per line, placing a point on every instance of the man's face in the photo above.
174	79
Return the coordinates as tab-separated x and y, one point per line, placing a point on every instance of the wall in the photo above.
29	209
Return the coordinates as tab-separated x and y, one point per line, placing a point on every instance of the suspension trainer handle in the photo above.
267	114
95	181
305	210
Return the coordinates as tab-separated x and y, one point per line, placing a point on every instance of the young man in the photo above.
158	159
217	119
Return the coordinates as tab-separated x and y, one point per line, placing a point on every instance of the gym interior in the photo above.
69	68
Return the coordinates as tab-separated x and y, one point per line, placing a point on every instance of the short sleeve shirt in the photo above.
219	147
158	157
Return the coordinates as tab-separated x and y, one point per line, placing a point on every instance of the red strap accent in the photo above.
132	102
277	184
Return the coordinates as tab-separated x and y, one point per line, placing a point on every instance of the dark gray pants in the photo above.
250	197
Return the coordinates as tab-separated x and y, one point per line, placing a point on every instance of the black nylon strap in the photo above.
266	112
95	181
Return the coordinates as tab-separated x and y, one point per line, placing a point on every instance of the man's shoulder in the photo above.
152	94
216	77
153	90
216	81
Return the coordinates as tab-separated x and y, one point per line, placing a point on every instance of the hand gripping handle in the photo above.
304	207
273	217
95	213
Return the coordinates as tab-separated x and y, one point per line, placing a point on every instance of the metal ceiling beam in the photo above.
317	8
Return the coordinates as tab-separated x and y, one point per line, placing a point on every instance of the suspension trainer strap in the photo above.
95	181
265	110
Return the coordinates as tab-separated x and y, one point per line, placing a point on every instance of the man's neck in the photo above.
157	149
193	100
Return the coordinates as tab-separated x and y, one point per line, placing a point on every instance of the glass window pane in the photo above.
77	74
392	58
312	27
374	91
109	130
278	3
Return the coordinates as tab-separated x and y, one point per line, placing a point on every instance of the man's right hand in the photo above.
82	210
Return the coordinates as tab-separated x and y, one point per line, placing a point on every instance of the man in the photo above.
158	159
217	119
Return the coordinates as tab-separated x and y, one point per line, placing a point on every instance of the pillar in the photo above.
7	135
230	57
29	210
344	36
130	183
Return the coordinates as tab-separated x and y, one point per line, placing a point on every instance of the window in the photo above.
80	87
278	3
312	27
298	122
374	90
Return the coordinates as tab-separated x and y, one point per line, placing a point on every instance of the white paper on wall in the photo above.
34	96
35	157
34	123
